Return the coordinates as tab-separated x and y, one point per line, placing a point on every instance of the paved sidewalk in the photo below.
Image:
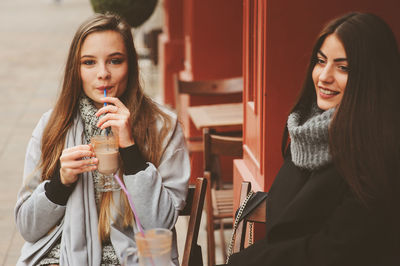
34	40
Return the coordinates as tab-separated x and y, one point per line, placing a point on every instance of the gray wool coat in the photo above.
158	194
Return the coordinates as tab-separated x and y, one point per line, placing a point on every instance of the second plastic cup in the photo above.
154	248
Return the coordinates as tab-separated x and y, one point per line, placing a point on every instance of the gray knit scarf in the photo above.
88	111
309	142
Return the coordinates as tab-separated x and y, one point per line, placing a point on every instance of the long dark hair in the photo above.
364	133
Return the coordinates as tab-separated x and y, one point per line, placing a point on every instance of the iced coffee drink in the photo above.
106	151
108	161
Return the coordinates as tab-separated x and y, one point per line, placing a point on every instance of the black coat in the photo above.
314	220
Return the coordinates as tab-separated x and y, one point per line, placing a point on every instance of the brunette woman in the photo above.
335	200
64	219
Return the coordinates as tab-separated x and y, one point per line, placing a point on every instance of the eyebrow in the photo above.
335	60
113	54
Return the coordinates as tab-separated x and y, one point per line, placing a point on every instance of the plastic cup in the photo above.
106	151
154	248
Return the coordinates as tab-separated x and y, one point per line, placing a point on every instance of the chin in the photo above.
323	105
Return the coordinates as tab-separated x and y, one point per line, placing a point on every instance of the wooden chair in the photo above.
192	255
232	86
219	197
207	87
258	215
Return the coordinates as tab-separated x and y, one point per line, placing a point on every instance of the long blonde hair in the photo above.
144	113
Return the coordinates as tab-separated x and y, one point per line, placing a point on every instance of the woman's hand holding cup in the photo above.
76	160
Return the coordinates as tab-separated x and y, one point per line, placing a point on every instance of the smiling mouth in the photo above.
328	92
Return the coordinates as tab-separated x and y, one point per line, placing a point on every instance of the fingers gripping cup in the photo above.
154	247
106	151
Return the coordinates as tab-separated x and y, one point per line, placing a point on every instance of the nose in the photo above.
326	74
103	72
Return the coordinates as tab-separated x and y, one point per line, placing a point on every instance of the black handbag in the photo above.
252	203
253	199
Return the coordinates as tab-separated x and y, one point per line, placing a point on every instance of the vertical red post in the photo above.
171	48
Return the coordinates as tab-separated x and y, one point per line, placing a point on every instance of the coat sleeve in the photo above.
159	193
349	237
35	215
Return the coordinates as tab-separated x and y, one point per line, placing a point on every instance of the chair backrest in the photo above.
258	215
211	87
219	197
192	255
207	87
220	145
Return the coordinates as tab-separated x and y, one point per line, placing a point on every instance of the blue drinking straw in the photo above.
105	104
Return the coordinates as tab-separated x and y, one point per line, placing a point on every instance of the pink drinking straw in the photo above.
133	210
130	203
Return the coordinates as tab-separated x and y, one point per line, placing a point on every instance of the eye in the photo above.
88	62
344	68
116	61
320	61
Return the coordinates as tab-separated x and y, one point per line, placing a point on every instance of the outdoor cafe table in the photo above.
217	115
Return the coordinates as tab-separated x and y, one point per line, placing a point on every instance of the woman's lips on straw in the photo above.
107	88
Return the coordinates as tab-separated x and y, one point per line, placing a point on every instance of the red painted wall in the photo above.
213	39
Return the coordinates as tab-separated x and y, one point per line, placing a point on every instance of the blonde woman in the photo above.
64	219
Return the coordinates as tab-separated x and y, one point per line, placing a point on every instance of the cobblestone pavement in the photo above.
34	40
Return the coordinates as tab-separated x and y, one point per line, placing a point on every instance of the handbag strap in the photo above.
235	225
